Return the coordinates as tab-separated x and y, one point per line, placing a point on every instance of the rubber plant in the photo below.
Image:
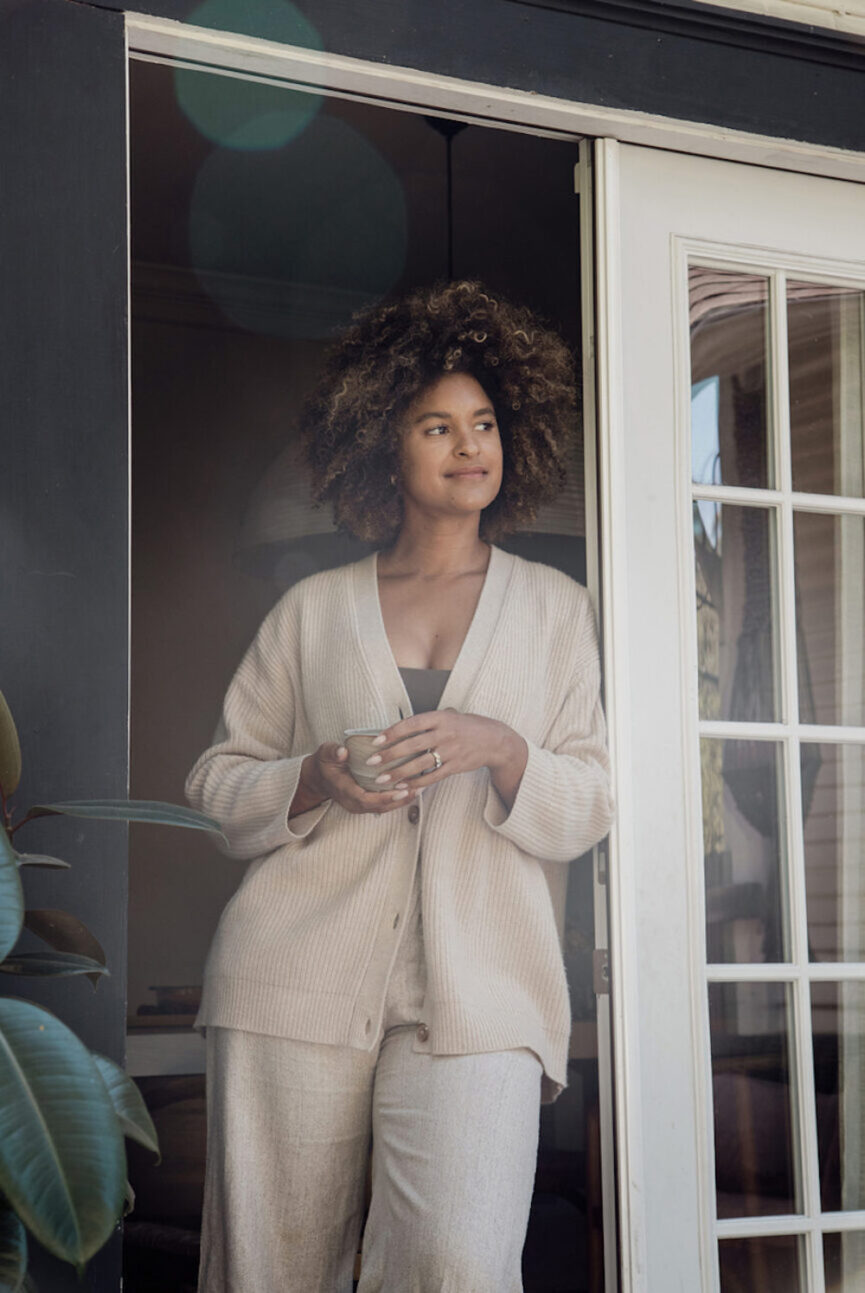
64	1110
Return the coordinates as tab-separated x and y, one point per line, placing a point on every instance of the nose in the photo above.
467	445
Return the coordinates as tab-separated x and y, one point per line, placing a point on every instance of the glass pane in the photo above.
838	1021
743	851
751	1038
833	809
825	330
830	608
735	579
844	1262
770	1264
729	329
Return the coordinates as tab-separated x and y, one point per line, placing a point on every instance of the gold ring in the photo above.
438	759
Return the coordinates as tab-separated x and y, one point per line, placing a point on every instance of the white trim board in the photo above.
154	1054
831	15
158	39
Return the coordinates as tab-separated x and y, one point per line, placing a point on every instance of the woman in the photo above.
390	964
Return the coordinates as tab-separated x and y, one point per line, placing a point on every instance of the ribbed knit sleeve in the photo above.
249	775
563	804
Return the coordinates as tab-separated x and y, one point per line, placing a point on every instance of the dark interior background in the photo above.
261	218
223	354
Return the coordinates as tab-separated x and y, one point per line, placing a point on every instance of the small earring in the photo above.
392	478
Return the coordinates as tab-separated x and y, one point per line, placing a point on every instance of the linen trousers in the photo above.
454	1144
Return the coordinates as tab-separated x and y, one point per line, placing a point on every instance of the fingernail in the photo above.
380	739
341	752
384	776
400	785
374	758
400	794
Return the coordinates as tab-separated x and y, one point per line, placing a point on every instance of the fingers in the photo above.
421	762
428	775
356	799
411	726
378	801
342	787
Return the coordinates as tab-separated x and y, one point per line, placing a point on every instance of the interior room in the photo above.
262	218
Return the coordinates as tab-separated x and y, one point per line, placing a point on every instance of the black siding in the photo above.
63	517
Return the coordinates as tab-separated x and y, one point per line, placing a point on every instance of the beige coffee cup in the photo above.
359	743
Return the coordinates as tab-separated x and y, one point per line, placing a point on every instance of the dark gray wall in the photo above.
63	364
63	482
674	58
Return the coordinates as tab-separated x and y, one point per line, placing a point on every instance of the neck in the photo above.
429	548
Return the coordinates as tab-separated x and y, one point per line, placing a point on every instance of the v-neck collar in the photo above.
377	649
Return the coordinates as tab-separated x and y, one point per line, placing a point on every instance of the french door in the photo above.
731	387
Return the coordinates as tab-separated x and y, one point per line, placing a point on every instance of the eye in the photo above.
441	427
487	426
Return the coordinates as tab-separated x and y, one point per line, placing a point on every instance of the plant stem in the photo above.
28	817
7	816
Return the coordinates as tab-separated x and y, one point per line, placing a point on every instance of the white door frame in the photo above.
655	211
414	90
160	40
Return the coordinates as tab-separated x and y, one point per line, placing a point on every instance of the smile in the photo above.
469	471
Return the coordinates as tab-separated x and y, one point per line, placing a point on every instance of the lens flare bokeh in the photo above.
239	113
292	240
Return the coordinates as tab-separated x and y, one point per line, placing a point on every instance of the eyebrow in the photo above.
477	414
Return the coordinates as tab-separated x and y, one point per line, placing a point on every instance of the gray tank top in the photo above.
425	687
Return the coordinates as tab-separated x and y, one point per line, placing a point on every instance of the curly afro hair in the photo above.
351	423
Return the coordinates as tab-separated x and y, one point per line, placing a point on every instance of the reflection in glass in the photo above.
825	338
770	1264
746	918
844	1262
734	549
838	1021
830	609
834	828
729	330
751	1040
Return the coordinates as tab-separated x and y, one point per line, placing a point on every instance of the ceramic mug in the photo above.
359	743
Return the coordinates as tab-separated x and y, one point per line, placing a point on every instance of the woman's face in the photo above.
451	448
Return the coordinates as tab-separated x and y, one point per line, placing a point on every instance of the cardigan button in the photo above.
414	814
422	1033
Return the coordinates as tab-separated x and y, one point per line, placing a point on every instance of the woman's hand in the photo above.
325	775
464	742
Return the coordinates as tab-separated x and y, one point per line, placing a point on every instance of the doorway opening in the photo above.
262	218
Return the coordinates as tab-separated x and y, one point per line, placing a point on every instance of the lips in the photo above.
469	471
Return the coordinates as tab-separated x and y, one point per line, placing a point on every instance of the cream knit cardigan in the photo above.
305	946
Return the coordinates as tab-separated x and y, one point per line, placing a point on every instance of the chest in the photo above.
426	622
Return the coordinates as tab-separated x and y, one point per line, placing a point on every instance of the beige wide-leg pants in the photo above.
289	1124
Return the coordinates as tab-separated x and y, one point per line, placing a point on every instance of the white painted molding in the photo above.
152	1054
828	14
621	881
161	39
690	737
584	186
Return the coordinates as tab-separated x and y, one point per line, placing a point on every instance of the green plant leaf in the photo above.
131	810
13	1251
11	896
42	859
128	1103
10	750
65	933
62	1163
128	1200
50	964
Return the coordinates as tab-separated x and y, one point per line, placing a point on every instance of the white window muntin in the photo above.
788	732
